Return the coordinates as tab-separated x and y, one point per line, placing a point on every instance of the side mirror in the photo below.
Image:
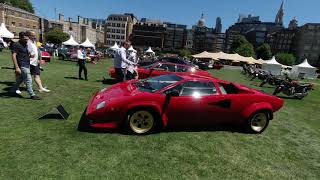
173	93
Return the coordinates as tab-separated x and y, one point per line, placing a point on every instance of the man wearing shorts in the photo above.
34	62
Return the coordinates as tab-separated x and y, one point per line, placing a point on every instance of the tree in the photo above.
56	36
184	53
243	47
264	52
286	59
23	4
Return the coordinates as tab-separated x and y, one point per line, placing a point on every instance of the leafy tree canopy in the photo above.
243	47
56	36
286	59
264	52
23	4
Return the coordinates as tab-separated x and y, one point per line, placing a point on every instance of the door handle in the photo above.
226	103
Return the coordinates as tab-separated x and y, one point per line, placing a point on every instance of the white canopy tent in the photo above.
273	66
87	44
71	42
4	32
150	51
114	47
304	70
131	49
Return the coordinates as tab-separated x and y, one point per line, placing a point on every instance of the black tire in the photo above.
257	122
142	121
84	125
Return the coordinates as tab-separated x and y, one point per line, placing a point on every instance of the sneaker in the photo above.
18	91
44	90
35	97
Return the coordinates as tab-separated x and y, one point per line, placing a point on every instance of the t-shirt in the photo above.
23	57
33	51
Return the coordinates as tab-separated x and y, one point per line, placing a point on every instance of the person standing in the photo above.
21	61
34	61
121	63
132	72
82	63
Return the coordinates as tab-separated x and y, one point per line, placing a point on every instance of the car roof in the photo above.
199	77
185	65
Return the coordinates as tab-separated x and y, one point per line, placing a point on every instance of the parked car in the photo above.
208	64
143	106
161	68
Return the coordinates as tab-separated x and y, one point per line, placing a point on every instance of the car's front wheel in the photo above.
258	122
142	121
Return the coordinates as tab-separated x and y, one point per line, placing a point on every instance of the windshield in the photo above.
149	66
156	83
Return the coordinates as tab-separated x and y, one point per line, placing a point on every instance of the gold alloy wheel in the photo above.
258	122
141	122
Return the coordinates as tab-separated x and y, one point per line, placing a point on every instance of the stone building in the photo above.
253	29
307	43
149	33
175	37
18	20
189	39
80	29
118	28
207	39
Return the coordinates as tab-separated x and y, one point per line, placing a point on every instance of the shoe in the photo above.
18	91
81	78
44	90
35	97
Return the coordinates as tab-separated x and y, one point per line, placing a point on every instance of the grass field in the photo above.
53	149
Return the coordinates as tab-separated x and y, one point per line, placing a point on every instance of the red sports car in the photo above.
162	68
142	106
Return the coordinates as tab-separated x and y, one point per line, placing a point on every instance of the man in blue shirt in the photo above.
21	61
121	63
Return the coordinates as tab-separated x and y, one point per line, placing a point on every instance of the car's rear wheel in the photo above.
142	121
258	122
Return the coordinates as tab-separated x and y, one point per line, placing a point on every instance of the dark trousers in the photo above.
82	67
121	74
130	75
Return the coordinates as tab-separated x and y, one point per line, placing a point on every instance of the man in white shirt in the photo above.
121	63
34	61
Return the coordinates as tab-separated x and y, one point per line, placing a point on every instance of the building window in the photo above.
34	27
122	37
118	30
113	31
20	24
113	36
123	25
118	24
122	31
113	24
13	24
28	26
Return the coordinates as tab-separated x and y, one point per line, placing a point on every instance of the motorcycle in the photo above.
272	80
293	89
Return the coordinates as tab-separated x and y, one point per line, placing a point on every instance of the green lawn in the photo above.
53	149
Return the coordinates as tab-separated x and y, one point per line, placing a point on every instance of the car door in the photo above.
191	108
182	110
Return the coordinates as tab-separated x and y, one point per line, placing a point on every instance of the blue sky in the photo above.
183	11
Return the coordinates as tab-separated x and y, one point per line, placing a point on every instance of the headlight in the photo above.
101	105
103	90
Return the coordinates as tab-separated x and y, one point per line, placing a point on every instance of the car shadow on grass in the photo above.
108	81
222	128
71	78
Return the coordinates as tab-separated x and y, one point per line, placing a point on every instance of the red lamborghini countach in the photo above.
162	68
142	106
